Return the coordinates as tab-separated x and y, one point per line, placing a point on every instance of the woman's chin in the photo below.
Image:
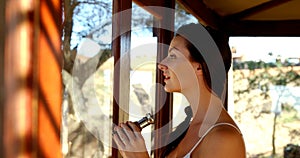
167	89
170	90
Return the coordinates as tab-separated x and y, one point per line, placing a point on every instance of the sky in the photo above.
258	48
252	48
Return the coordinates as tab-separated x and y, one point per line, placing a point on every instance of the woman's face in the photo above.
177	68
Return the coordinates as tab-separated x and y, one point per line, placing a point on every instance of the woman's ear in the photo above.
198	69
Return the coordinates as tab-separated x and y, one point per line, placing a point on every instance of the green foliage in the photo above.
254	85
263	75
255	80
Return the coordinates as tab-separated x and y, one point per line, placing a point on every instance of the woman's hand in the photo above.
130	141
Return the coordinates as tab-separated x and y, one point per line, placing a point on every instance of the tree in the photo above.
81	19
263	79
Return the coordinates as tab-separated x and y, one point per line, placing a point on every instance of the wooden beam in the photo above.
263	28
121	30
19	135
33	86
154	7
254	10
163	101
143	3
163	11
205	15
2	90
49	82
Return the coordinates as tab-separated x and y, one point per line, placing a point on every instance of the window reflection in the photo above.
143	68
87	78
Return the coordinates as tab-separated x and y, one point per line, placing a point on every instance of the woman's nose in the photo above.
162	67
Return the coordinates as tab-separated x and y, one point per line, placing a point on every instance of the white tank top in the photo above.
188	155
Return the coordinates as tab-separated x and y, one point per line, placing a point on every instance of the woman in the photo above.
196	68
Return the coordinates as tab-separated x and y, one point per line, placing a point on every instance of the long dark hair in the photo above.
202	53
192	34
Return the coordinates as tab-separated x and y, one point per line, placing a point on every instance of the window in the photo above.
102	89
143	54
87	103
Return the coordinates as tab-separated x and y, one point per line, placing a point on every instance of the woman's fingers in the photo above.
122	133
128	137
135	128
128	131
118	141
125	132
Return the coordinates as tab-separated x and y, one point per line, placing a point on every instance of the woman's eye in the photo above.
172	56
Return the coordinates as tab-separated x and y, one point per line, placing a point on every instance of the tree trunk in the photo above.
69	55
273	136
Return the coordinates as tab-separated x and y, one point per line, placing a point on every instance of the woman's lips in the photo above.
166	78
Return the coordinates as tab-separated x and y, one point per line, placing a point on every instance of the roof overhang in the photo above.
248	18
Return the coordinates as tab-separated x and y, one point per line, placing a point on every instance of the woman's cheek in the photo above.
185	74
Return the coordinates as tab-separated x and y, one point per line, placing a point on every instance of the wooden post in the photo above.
19	125
163	117
2	97
32	79
49	78
163	29
121	29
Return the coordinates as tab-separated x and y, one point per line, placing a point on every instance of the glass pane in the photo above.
143	68
87	77
182	17
266	86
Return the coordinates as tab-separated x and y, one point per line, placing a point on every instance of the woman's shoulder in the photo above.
226	128
223	140
223	132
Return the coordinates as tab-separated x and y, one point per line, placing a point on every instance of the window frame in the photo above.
121	44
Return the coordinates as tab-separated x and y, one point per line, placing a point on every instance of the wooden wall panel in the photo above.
2	97
18	75
31	77
49	79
